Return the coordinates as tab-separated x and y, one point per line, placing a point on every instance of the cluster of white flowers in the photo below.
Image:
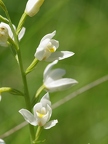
52	78
52	81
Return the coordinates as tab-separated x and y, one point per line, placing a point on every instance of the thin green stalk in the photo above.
32	66
21	22
38	132
39	91
36	97
26	92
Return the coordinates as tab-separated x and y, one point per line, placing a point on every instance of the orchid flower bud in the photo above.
6	32
3	35
33	6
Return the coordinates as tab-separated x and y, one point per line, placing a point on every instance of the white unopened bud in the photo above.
33	6
3	35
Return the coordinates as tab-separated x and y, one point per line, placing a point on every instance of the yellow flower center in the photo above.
52	49
40	115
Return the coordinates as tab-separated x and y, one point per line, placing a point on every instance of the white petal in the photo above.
45	100
45	118
30	4
33	6
49	109
49	36
50	124
21	34
41	52
37	107
55	43
9	29
2	141
28	116
65	54
48	68
60	84
54	75
59	55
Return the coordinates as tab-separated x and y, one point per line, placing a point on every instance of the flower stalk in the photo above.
26	92
32	66
21	22
38	132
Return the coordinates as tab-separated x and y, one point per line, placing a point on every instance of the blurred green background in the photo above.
82	27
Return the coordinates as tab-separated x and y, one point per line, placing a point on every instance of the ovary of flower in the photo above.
53	80
42	114
33	6
8	32
3	35
47	49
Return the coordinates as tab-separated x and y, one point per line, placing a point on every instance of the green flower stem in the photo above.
15	35
38	132
36	97
3	19
39	91
21	22
32	66
26	92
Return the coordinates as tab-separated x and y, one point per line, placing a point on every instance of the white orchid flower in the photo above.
33	6
53	80
47	49
2	141
42	113
6	32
